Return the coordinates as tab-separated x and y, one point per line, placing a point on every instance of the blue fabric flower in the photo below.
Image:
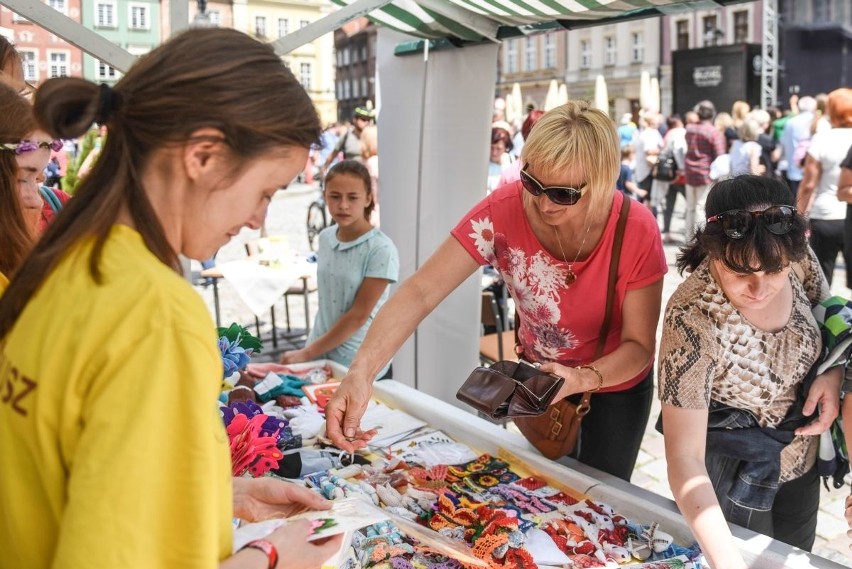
234	358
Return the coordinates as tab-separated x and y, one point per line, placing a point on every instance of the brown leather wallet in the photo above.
509	389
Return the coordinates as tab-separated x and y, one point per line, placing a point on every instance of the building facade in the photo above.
132	24
355	66
704	29
311	63
532	62
816	46
45	55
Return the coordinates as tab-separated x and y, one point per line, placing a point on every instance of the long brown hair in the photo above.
201	78
16	237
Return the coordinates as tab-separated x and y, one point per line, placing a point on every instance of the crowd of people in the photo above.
97	325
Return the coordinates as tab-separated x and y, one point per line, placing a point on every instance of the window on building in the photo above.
105	72
682	33
105	15
18	19
58	64
822	11
610	51
339	90
365	86
346	89
58	5
638	47
710	30
214	16
356	88
585	54
139	17
283	27
511	56
303	23
260	26
346	55
530	55
364	52
550	50
30	58
305	76
741	26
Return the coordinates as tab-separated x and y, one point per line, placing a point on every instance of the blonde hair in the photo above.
749	130
739	110
575	135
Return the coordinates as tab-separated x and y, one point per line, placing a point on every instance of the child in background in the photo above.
355	264
625	183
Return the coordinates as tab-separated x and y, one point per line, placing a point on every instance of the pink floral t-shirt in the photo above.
560	323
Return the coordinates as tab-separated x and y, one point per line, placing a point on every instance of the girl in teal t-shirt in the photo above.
355	264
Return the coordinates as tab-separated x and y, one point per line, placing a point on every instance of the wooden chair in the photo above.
499	345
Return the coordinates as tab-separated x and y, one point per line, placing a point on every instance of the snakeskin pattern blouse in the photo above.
710	351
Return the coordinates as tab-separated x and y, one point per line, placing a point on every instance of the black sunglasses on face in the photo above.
777	219
562	195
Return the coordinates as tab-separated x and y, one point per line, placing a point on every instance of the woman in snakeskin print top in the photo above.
739	336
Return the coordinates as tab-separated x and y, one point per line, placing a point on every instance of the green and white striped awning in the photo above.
463	21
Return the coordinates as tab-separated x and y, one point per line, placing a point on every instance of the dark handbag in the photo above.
665	170
555	433
507	390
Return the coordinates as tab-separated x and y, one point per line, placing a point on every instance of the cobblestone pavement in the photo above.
287	216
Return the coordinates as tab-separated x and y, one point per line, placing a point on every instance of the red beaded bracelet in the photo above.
268	548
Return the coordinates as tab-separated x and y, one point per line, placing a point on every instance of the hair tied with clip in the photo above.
108	103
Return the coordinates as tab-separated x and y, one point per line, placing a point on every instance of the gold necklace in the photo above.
570	276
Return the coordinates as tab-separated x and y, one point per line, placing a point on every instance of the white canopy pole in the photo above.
333	21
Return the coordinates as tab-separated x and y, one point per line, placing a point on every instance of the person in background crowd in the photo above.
704	143
646	147
745	151
356	264
17	234
499	157
512	172
349	142
109	350
741	319
674	143
817	197
690	117
739	112
625	183
627	130
724	123
370	157
770	151
821	122
551	239
795	139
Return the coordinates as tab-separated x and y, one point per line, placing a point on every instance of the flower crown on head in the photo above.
25	146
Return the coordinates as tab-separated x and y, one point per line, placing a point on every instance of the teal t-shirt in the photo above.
341	268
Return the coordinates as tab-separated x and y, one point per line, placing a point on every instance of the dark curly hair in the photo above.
759	249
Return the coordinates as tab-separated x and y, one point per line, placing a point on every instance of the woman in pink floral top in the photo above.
550	235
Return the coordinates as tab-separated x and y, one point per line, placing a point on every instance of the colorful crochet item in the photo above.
236	346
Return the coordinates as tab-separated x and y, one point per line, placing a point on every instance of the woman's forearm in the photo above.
697	502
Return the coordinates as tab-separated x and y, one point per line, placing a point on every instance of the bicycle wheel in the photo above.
316	223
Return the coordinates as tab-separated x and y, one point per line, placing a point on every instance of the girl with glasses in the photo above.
550	235
738	342
113	452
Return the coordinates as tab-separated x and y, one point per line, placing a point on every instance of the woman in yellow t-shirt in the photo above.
15	234
114	454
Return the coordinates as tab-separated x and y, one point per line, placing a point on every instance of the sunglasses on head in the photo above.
777	219
32	145
562	195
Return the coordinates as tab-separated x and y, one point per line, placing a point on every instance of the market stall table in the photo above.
259	286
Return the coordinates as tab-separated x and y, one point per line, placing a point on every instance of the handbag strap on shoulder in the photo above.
610	289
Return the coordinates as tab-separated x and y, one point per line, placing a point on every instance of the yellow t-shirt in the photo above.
113	452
